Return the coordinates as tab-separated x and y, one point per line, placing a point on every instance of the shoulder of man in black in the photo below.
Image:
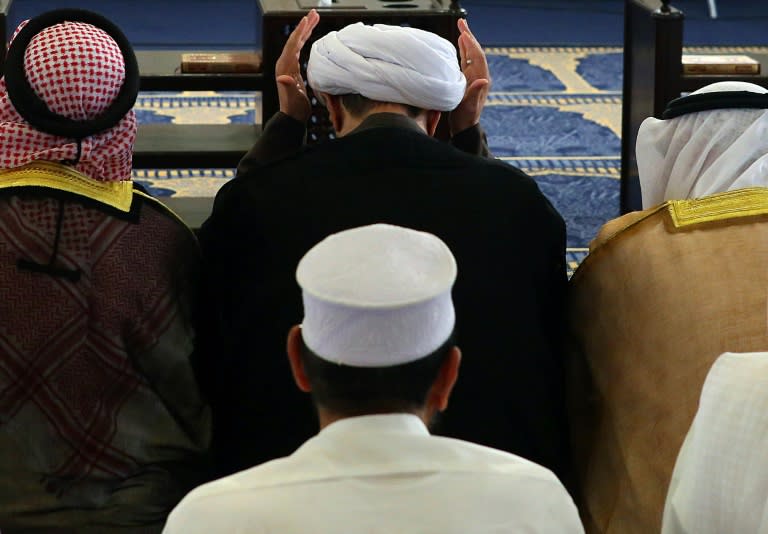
508	240
374	152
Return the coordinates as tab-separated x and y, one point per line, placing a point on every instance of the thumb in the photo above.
289	83
476	88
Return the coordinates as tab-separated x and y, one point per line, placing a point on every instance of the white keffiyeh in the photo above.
720	482
388	64
705	152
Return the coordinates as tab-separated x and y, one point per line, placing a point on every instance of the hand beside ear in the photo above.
291	91
474	65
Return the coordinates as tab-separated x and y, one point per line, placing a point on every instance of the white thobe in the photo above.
382	474
720	481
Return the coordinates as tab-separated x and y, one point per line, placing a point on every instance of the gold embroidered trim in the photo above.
118	195
720	207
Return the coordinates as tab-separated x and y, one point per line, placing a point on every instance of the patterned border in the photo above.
173	174
503	50
553	99
596	167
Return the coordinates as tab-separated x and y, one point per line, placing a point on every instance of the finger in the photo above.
479	60
472	46
471	42
300	34
464	27
295	37
290	51
295	42
313	17
462	50
462	45
310	21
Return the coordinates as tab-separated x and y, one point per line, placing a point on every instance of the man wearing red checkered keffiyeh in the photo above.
102	427
77	70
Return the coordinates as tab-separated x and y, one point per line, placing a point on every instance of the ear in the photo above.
294	349
433	118
335	110
446	379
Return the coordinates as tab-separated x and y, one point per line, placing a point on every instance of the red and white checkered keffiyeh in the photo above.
77	70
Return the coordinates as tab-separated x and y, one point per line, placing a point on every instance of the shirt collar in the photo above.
401	423
387	120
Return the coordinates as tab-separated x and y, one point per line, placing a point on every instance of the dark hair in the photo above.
351	391
358	105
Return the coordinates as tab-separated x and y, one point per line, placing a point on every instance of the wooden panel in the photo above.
653	47
161	71
691	82
193	146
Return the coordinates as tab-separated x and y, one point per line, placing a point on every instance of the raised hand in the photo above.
290	85
475	68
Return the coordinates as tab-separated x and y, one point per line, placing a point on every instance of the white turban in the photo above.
388	64
703	153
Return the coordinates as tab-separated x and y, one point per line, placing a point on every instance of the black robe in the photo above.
508	240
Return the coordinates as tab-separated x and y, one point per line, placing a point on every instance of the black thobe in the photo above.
509	244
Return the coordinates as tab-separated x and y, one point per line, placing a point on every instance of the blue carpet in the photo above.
543	115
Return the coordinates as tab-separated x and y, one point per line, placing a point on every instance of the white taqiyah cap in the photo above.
377	296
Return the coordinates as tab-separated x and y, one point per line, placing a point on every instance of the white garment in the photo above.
720	481
382	474
705	152
388	64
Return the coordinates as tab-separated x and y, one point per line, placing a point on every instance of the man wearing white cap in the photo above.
375	349
684	281
385	88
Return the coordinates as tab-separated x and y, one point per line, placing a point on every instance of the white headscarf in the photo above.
388	64
705	152
720	482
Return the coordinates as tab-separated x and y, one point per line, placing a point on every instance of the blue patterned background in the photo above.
555	112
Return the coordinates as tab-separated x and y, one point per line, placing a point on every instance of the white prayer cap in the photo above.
705	152
388	64
377	296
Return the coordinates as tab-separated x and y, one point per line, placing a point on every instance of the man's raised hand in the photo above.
290	85
475	68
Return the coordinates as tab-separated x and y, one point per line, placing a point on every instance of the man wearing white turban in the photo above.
664	292
385	89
